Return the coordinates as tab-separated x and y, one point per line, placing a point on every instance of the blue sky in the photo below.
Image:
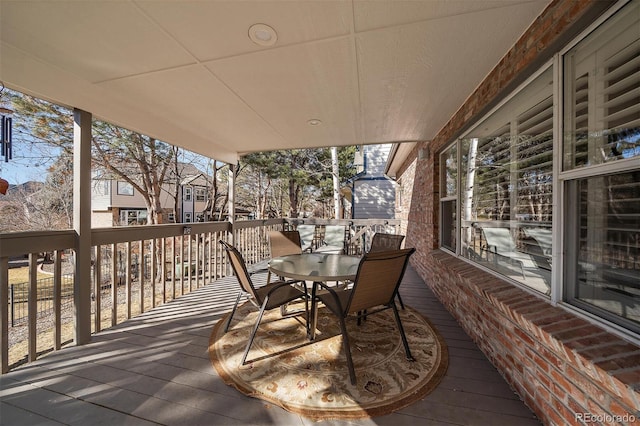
16	172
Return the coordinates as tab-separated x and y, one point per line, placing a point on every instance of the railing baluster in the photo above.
128	279
163	269
57	299
114	284
4	314
189	261
174	279
209	253
33	305
98	289
181	265
198	260
140	268
153	261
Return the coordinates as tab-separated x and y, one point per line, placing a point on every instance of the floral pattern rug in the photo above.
312	378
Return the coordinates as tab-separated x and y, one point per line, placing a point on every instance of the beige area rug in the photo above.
312	379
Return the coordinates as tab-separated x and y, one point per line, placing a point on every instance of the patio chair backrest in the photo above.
543	236
240	270
307	233
283	243
385	242
378	278
501	239
334	235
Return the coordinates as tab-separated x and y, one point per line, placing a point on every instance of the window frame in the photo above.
200	195
545	68
124	188
567	181
561	181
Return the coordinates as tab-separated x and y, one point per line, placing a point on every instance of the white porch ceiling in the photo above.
187	73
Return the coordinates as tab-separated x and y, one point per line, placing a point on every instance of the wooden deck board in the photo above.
155	369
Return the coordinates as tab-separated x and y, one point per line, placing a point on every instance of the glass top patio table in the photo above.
316	266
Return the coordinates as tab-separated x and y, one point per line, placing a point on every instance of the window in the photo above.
188	217
101	186
201	194
498	183
171	217
506	185
187	194
133	217
600	171
602	103
448	201
125	188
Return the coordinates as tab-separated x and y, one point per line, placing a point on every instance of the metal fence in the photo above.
19	297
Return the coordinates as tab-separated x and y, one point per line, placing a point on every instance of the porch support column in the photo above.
82	224
232	199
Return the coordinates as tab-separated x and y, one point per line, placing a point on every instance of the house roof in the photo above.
188	73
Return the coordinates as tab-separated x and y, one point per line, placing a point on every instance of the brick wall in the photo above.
562	366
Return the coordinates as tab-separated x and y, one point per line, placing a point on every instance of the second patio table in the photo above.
316	267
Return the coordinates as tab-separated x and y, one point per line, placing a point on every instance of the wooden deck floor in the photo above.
155	369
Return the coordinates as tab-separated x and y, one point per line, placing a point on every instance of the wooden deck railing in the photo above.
133	270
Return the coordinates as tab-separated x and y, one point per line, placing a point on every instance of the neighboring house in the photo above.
116	202
371	194
193	198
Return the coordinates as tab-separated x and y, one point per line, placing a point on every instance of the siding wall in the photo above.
373	199
566	369
373	192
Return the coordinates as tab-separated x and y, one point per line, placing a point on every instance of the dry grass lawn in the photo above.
21	275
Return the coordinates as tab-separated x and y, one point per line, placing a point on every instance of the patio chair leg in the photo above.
404	337
347	350
253	333
233	311
400	300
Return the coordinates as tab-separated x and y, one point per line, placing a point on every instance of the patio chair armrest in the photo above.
330	290
279	285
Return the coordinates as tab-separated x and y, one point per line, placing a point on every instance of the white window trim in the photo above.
560	177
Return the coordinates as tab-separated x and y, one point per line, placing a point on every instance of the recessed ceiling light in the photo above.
263	35
314	122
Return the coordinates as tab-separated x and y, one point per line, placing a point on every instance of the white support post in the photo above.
232	199
82	224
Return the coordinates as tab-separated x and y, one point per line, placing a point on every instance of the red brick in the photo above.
629	377
524	337
576	333
571	323
575	407
564	411
618	410
592	340
586	385
619	362
549	416
559	316
551	358
613	350
561	380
